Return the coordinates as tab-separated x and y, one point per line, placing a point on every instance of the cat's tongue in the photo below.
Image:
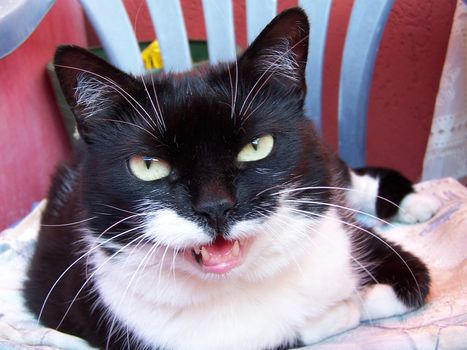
221	256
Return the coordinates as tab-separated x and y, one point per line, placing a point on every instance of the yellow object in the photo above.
151	56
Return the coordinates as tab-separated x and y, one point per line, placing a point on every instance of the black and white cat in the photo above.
201	211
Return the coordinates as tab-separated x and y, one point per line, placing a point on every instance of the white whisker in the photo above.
132	124
306	201
76	261
135	273
96	271
333	188
158	117
266	70
371	234
69	223
157	104
117	88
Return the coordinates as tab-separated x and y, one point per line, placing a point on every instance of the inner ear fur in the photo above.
281	49
88	82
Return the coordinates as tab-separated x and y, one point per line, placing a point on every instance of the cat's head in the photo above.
204	166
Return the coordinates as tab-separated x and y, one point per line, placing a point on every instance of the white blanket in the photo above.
441	324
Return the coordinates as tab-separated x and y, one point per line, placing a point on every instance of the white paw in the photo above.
381	301
343	316
417	207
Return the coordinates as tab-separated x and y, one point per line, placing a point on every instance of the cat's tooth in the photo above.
205	254
236	249
197	250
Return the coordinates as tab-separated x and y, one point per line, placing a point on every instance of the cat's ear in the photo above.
280	50
91	86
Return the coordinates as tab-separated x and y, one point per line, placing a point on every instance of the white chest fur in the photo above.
169	308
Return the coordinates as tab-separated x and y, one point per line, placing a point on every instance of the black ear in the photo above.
281	49
91	86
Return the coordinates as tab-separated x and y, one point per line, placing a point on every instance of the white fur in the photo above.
380	301
362	197
339	318
280	60
374	302
295	270
417	207
168	228
92	94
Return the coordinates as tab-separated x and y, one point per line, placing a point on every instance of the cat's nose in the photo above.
214	204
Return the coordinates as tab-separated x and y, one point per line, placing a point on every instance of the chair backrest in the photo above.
364	32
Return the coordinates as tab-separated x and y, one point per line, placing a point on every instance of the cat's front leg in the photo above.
395	280
380	194
372	303
339	318
375	301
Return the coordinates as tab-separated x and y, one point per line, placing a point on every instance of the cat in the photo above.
202	211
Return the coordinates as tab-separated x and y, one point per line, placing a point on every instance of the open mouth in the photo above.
221	256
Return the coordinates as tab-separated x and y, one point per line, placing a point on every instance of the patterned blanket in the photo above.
441	324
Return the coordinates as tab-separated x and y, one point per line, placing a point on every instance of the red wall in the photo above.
32	139
405	81
406	78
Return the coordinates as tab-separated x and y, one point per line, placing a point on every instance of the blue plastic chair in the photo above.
366	25
18	20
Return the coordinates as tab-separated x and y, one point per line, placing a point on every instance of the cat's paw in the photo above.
417	207
380	301
341	317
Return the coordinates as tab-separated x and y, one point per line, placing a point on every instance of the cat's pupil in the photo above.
147	162
255	143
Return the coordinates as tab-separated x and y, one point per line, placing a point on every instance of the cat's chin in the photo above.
219	257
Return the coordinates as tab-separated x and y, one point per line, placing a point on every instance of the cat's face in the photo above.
199	170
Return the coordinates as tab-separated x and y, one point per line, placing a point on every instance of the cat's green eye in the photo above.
149	169
257	149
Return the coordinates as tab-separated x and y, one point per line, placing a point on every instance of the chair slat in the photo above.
366	26
318	15
218	17
258	14
115	34
167	19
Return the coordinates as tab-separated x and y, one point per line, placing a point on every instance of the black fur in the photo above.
392	265
201	137
393	187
